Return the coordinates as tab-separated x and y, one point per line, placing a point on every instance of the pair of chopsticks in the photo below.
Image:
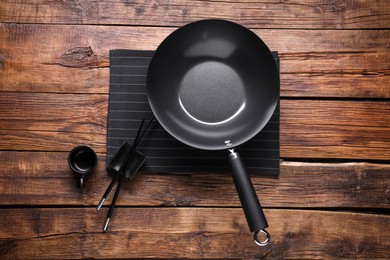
119	176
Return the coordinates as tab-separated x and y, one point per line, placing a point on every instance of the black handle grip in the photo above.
249	201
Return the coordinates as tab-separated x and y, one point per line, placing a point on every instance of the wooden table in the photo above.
331	200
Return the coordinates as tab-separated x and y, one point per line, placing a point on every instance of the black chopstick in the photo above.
139	132
121	174
109	188
112	206
143	133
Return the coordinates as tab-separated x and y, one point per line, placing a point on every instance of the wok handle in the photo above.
249	201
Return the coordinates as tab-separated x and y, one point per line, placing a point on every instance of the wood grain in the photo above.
77	113
335	129
330	85
335	88
312	14
309	128
189	232
75	59
44	178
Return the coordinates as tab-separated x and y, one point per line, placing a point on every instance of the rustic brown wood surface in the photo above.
348	129
265	14
331	200
189	232
300	185
314	63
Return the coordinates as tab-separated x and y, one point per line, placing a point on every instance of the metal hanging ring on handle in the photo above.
265	234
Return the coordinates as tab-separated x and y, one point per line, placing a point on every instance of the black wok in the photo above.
213	85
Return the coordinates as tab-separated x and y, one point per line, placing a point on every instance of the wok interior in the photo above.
211	82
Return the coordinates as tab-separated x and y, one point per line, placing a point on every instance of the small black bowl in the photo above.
82	160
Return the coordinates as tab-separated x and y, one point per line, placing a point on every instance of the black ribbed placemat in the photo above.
128	104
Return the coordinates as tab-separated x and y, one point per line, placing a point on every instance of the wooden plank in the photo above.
368	86
189	233
74	59
78	113
335	129
313	14
309	128
41	178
